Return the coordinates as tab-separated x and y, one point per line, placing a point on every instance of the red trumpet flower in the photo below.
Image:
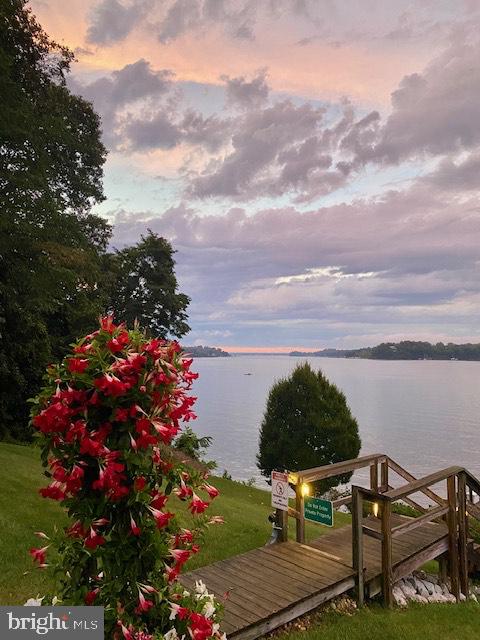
39	555
213	492
77	365
197	505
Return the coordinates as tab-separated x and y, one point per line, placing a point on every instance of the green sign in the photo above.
318	510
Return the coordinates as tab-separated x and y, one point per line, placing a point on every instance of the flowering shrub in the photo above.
105	420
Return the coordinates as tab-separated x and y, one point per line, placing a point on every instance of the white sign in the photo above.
280	490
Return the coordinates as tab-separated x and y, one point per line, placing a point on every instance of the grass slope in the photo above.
245	509
431	622
23	511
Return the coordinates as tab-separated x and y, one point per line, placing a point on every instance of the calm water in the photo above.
424	414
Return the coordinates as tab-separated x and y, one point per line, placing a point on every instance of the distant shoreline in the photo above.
405	350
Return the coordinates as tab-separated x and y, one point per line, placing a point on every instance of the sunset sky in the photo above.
315	163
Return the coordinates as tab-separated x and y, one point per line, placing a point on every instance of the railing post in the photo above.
443	567
387	572
463	532
384	476
452	536
281	519
374	476
299	506
357	544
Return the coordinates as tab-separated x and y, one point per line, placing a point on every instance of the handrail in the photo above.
421	483
399	470
454	508
414	523
336	469
472	480
452	512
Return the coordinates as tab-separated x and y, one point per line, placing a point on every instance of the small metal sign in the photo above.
279	490
318	510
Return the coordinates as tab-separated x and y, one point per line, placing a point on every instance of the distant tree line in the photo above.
57	273
201	351
405	350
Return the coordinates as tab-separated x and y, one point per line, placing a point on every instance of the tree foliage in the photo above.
56	274
307	423
145	288
51	162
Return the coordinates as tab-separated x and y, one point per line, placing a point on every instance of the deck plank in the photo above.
272	585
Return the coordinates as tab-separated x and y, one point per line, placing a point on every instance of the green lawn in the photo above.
23	511
245	509
430	622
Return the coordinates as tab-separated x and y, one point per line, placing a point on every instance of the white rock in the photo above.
429	587
399	597
34	602
438	589
420	588
451	598
420	599
463	597
445	590
473	597
440	598
407	589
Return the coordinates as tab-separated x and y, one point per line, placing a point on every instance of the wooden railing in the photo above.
463	500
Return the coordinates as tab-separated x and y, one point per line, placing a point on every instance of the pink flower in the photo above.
143	603
197	505
126	632
133	527
118	343
212	491
77	365
94	540
139	483
39	555
184	492
186	536
171	573
176	611
40	534
91	596
200	627
180	555
161	518
106	323
159	500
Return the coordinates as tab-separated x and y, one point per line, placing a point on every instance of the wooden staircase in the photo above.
268	587
455	513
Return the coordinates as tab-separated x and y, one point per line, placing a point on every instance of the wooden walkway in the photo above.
267	587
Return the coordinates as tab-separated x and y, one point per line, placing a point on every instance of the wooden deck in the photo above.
267	587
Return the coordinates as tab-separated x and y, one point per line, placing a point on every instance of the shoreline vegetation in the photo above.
201	351
405	350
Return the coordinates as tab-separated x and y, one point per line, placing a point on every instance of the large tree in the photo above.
56	274
307	423
51	247
145	288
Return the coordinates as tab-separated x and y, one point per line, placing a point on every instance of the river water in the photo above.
423	414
